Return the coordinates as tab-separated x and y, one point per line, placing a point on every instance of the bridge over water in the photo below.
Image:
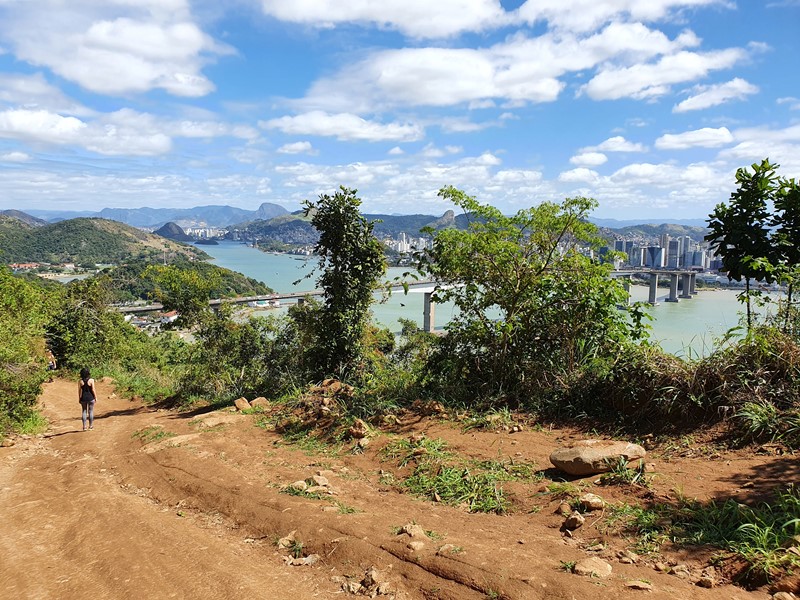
426	287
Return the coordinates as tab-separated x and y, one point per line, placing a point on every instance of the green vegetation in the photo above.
154	433
759	535
84	241
140	279
351	263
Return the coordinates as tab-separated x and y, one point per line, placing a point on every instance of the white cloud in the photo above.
706	137
121	133
707	96
35	92
297	148
579	175
117	47
643	81
344	126
396	151
15	157
516	71
589	159
415	18
618	144
585	15
794	103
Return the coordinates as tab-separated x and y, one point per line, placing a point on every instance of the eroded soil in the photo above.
162	504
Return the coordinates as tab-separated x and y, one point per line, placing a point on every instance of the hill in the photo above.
24	217
128	283
84	241
173	231
651	231
152	218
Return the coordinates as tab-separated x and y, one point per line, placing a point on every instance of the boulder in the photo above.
241	403
589	457
260	402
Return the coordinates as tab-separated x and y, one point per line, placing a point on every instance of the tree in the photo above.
351	262
786	236
740	230
532	305
183	290
24	310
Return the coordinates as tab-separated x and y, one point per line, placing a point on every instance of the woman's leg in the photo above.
84	410
91	415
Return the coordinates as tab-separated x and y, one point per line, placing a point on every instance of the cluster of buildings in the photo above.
666	253
205	233
405	244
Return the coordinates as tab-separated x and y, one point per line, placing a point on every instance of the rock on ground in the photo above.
589	457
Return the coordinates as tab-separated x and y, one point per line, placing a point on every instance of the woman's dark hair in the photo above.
84	373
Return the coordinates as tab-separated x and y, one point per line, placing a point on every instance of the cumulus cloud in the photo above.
516	71
415	18
35	92
580	175
120	133
618	144
297	148
344	126
118	47
641	81
706	96
586	15
706	137
589	159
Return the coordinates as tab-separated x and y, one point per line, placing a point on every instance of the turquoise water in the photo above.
688	327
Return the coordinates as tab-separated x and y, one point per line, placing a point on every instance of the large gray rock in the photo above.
588	457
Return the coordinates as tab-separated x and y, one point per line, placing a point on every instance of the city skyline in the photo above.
649	106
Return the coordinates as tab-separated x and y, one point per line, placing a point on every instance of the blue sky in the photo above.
649	106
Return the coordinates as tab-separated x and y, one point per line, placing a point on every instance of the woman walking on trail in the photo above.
87	397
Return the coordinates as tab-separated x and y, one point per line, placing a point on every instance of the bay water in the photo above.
686	328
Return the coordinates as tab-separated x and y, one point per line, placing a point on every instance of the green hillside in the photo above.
84	241
128	282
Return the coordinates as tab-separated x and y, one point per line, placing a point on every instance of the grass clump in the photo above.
456	485
763	535
622	474
416	450
153	433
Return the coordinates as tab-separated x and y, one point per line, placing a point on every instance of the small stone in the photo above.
681	571
299	485
591	502
372	577
639	585
352	587
7	443
384	589
446	549
416	545
593	567
241	403
574	521
321	480
330	509
706	582
589	457
413	530
287	540
363	442
661	567
627	557
317	489
783	596
564	509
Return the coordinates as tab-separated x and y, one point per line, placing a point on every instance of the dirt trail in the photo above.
109	514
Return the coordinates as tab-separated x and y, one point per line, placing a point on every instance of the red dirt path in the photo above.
105	514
